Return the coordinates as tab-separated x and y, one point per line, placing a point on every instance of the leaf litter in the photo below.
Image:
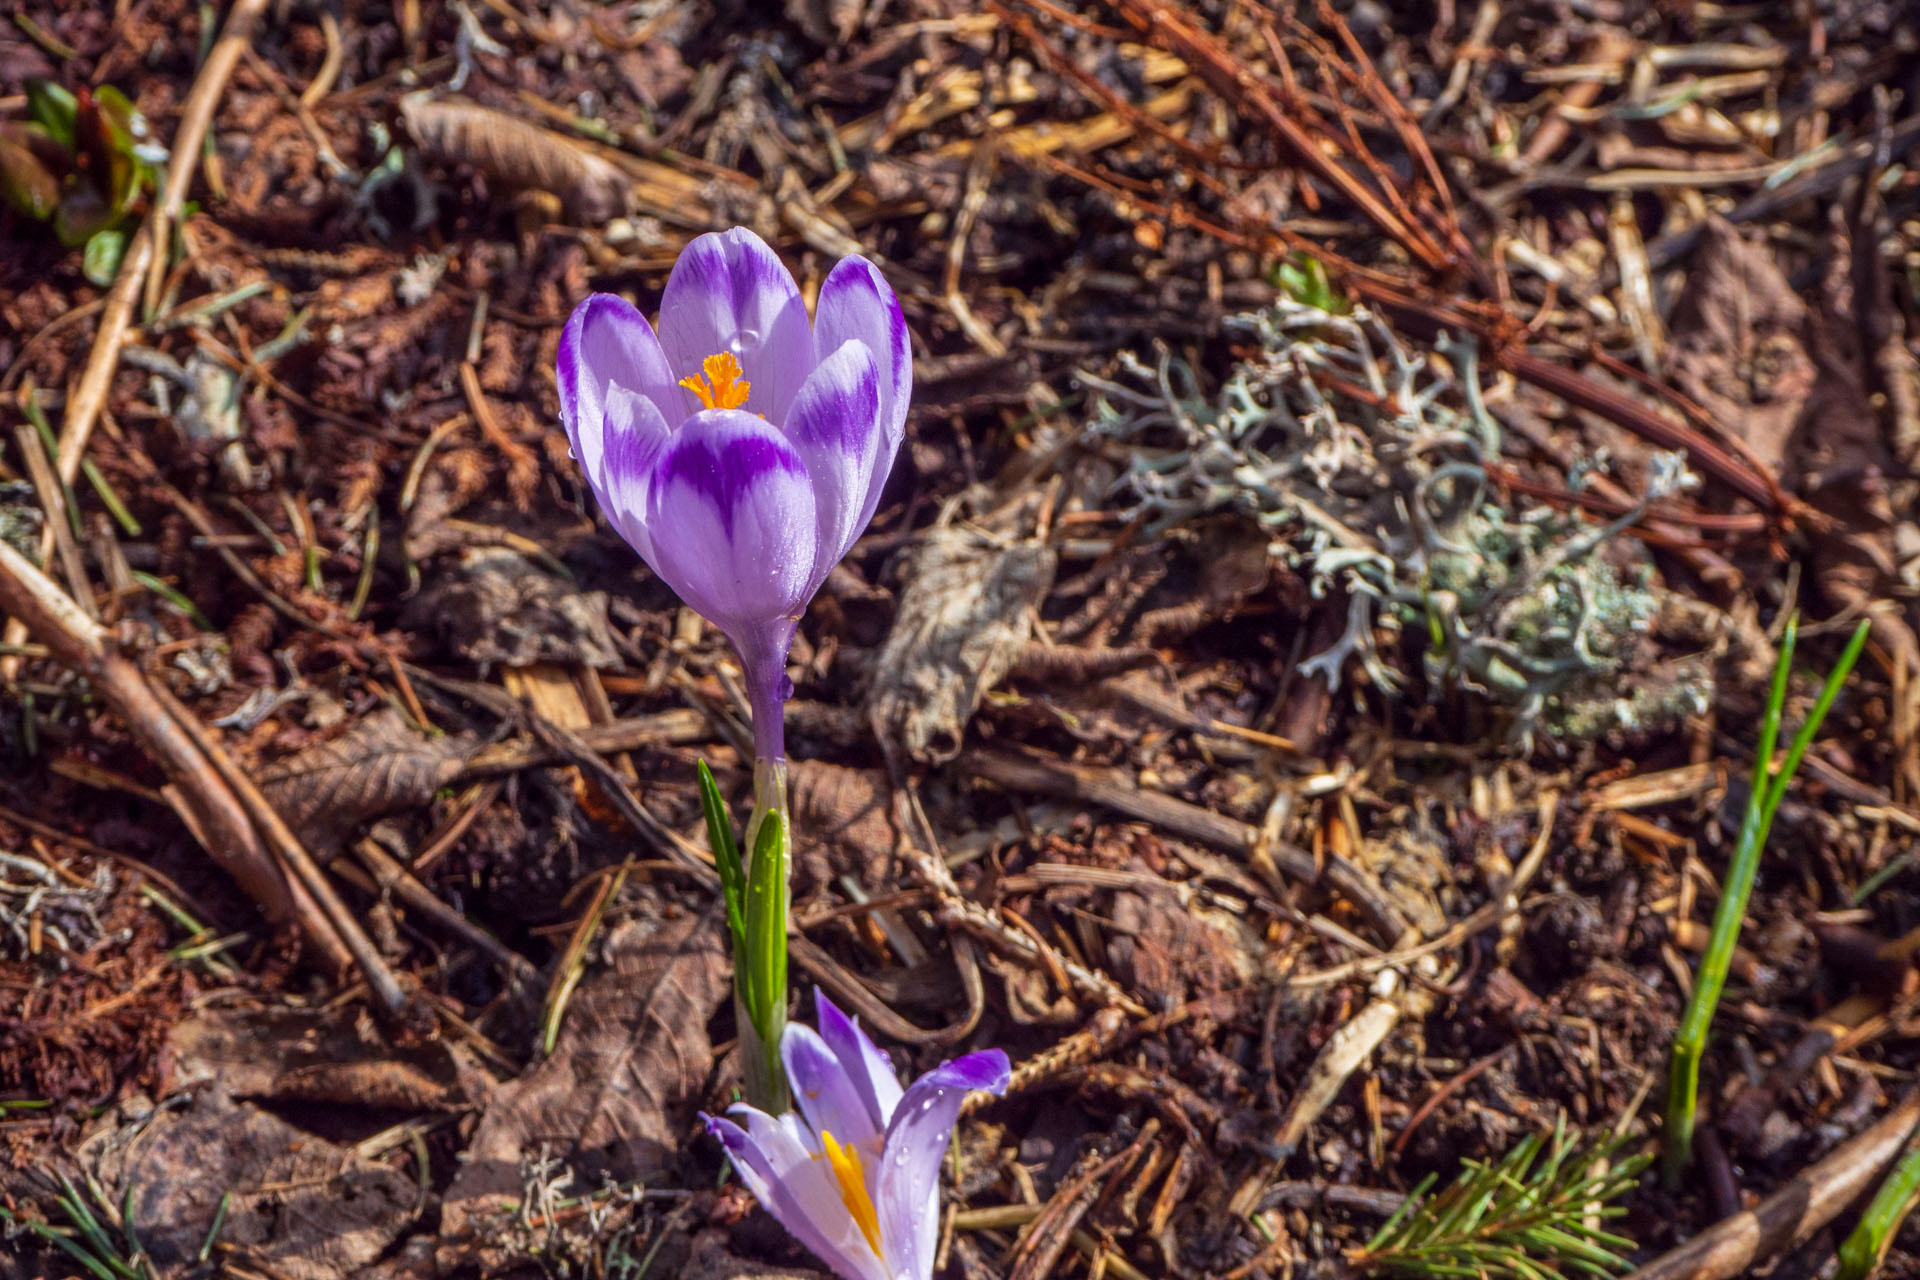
1289	698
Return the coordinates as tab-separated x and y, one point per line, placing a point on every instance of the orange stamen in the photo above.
853	1188
722	387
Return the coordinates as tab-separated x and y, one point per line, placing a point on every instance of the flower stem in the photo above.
760	973
763	660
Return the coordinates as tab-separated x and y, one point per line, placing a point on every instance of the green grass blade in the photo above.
1804	739
726	858
1690	1040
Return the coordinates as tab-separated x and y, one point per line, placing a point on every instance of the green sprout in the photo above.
1303	278
88	1242
1763	799
82	163
756	899
1533	1214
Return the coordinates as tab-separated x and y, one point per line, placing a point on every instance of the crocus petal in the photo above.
856	302
730	293
730	512
908	1200
634	436
835	427
864	1062
825	1094
607	343
796	1187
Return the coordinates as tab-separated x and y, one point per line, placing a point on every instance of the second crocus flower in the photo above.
742	449
855	1173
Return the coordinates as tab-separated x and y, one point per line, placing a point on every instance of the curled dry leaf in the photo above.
964	621
518	154
379	765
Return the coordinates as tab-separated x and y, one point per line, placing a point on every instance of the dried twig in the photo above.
1107	787
1735	1246
207	804
293	855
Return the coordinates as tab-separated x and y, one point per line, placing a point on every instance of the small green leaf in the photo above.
53	109
119	111
1303	278
101	261
765	956
726	859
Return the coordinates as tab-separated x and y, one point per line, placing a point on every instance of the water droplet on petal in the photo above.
743	340
786	687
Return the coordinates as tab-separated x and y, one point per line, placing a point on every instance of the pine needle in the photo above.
1535	1213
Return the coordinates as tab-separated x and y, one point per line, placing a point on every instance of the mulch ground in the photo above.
1297	696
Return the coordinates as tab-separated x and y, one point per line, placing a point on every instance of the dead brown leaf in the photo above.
301	1207
712	1260
1168	953
843	822
1738	343
518	154
497	606
299	1055
614	1097
380	764
964	620
1842	458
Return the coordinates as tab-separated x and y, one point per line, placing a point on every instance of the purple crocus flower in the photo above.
855	1175
742	450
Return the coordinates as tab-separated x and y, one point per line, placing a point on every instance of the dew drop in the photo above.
743	340
786	688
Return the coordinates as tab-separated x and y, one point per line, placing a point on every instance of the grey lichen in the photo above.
1366	462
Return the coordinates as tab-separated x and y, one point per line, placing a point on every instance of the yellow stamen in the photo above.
722	387
853	1188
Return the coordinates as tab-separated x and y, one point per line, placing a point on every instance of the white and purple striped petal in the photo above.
835	427
825	1093
631	442
793	1183
731	515
907	1200
729	293
607	343
856	302
865	1062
